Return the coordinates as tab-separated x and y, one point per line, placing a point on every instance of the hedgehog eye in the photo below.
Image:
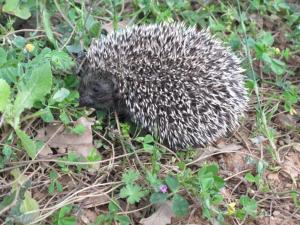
96	88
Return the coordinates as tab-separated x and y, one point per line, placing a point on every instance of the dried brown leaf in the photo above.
291	166
56	136
162	215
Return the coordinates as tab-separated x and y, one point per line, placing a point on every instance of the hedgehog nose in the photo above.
85	101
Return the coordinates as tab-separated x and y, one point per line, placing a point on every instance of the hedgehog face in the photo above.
97	91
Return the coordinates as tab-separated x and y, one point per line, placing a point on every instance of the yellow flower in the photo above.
231	208
293	111
277	51
29	47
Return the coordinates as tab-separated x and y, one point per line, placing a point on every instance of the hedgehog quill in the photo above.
181	84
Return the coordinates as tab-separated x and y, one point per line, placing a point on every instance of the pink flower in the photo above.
163	188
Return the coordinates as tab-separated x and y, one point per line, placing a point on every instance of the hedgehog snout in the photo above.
85	100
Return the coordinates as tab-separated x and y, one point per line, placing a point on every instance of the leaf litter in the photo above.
56	136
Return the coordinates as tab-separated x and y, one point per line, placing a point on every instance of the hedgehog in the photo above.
181	84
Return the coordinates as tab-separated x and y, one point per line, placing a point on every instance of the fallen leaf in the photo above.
236	162
56	136
296	147
291	166
88	216
205	153
286	121
273	177
162	215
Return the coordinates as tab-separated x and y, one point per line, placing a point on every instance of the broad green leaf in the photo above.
4	95
17	8
278	66
60	95
153	180
3	56
7	200
79	129
29	204
266	38
19	42
92	26
249	205
9	74
148	139
47	115
123	220
250	178
27	143
47	23
133	193
64	118
60	60
64	211
51	188
33	90
172	183
158	197
180	205
113	207
130	176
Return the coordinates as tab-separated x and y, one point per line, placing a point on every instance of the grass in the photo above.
118	174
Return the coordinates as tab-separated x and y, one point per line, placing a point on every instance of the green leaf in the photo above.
51	188
250	178
7	151
33	90
93	155
133	193
148	139
79	129
130	176
59	186
19	42
63	219
64	211
211	170
249	205
158	197
60	60
29	204
172	183
9	74
180	205
113	207
47	115
153	180
27	143
123	220
47	23
4	95
17	8
266	38
64	118
7	200
60	95
92	26
278	66
3	56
